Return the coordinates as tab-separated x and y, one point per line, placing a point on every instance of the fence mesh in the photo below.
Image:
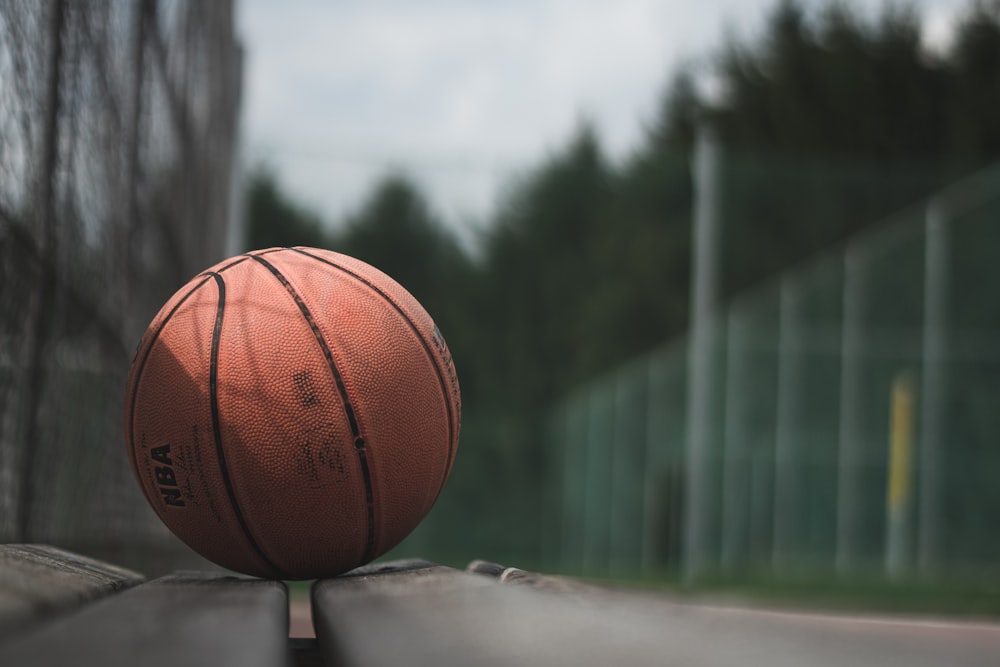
852	422
117	148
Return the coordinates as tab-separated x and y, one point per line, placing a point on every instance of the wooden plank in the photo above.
37	580
442	616
439	616
184	619
378	619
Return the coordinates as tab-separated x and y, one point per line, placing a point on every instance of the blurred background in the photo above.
719	282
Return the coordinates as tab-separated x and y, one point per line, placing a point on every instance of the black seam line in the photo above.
427	348
359	441
213	392
238	260
146	351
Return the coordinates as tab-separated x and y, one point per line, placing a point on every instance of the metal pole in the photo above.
600	431
849	459
787	441
570	454
701	364
935	385
577	422
736	461
591	495
655	444
617	530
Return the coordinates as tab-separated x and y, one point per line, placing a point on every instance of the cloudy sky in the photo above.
462	95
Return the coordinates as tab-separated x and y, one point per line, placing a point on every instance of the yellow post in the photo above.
900	474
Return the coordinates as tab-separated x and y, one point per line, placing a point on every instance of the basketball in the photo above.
292	413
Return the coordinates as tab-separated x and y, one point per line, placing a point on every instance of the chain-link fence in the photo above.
851	421
117	148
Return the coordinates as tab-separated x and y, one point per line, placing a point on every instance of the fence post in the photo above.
848	460
569	547
736	460
615	467
935	383
701	362
597	502
788	436
654	447
621	518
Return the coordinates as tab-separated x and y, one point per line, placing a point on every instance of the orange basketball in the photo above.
292	413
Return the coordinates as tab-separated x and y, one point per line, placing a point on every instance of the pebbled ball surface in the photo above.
292	413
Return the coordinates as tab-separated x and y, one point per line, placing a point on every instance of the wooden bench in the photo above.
58	608
82	612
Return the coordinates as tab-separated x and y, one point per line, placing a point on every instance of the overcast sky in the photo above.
464	94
